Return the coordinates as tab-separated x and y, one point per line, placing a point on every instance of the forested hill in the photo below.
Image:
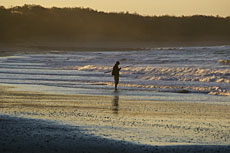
31	22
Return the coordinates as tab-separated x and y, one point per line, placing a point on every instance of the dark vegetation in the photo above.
33	22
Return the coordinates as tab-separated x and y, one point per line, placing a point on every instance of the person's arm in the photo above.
113	71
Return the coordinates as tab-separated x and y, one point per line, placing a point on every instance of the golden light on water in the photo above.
144	7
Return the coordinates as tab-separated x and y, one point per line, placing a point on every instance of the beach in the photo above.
78	123
112	77
169	99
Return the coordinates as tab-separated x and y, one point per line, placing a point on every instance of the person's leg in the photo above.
116	81
115	87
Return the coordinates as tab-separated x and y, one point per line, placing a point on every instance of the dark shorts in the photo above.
116	79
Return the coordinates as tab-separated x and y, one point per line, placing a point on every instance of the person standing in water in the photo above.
115	74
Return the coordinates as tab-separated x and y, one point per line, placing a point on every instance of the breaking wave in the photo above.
179	79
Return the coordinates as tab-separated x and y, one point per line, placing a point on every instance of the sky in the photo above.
143	7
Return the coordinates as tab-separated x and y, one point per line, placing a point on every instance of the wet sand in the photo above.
38	122
40	136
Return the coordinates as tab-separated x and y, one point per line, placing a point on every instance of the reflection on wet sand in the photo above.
115	104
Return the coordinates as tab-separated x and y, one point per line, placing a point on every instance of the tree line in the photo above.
34	22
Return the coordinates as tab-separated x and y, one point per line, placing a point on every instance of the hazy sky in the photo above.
144	7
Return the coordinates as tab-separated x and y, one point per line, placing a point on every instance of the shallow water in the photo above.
164	74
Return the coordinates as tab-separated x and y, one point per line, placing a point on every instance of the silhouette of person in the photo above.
115	74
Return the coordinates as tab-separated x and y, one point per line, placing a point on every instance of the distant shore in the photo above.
49	46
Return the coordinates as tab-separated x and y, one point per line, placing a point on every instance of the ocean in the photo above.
181	74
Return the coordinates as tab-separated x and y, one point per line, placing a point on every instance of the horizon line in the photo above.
124	12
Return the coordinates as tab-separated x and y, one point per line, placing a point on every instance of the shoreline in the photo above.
56	46
118	119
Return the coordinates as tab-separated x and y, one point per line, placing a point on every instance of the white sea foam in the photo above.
227	62
168	73
187	75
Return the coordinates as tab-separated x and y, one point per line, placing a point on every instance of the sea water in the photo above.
187	74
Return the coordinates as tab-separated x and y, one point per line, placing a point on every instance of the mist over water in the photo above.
192	74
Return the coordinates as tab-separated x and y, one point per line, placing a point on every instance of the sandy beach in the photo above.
39	122
116	77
